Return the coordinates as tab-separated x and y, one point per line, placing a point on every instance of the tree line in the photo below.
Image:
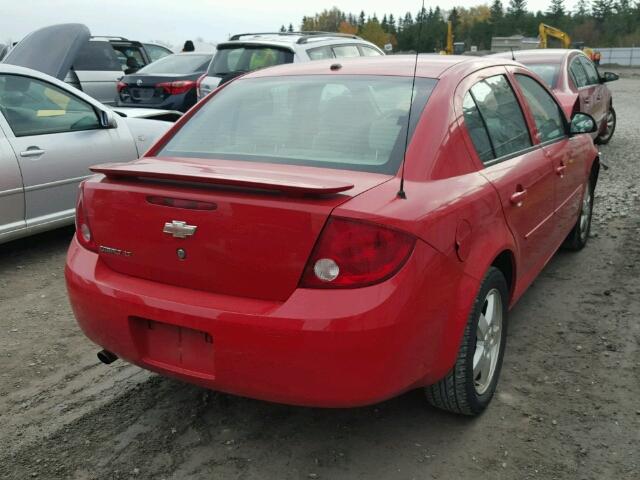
601	23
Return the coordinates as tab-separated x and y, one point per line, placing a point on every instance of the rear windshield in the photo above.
547	71
178	64
338	121
247	58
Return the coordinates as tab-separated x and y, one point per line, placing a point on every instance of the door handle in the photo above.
518	197
32	151
560	169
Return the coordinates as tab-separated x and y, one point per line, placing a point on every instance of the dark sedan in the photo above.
168	83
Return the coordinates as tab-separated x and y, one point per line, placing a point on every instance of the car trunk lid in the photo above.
152	89
229	227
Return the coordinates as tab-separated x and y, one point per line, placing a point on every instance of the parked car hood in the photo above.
51	50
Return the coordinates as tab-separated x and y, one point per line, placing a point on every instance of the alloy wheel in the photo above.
585	212
488	340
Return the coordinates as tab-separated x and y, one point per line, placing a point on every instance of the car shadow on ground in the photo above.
39	245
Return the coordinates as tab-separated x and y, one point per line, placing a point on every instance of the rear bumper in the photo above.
335	348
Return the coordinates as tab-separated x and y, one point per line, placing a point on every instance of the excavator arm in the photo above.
547	31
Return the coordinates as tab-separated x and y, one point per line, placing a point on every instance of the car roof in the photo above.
209	54
291	40
428	65
553	55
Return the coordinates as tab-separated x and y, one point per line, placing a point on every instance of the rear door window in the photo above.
97	56
477	129
130	56
500	113
369	51
346	51
156	52
592	74
578	74
34	107
247	58
320	53
546	112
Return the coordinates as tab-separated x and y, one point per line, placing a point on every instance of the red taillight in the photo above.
121	86
352	254
177	87
198	84
83	230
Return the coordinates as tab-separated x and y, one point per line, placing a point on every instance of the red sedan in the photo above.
577	84
281	243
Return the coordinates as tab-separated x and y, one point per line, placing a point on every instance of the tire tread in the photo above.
452	392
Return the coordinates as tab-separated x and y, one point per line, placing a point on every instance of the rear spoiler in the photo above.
179	171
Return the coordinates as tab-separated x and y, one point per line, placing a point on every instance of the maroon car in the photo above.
576	82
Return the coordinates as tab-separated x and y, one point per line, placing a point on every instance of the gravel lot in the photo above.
567	407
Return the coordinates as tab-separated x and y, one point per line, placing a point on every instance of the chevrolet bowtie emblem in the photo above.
178	229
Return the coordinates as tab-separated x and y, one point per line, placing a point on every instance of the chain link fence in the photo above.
626	57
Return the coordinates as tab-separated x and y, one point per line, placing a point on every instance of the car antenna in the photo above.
401	193
513	56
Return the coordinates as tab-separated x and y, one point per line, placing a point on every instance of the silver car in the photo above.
250	51
50	134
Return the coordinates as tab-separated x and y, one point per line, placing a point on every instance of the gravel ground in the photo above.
567	405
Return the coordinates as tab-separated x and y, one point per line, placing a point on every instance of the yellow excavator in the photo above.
547	31
452	48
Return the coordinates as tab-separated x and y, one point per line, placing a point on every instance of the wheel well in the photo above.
505	263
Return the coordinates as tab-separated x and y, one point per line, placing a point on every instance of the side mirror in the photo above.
107	119
583	123
609	77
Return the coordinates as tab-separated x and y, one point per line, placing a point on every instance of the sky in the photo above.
174	21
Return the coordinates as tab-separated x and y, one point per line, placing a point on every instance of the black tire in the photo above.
606	136
579	235
457	391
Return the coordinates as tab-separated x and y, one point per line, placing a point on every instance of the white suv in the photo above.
251	51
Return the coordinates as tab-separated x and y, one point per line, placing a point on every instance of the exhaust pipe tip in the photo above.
107	357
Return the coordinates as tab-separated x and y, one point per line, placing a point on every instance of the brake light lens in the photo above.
198	84
352	254
177	87
83	230
121	86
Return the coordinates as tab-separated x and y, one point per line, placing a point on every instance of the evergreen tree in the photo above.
601	9
385	24
497	11
393	29
361	19
282	29
408	20
556	10
582	9
290	30
517	8
454	17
